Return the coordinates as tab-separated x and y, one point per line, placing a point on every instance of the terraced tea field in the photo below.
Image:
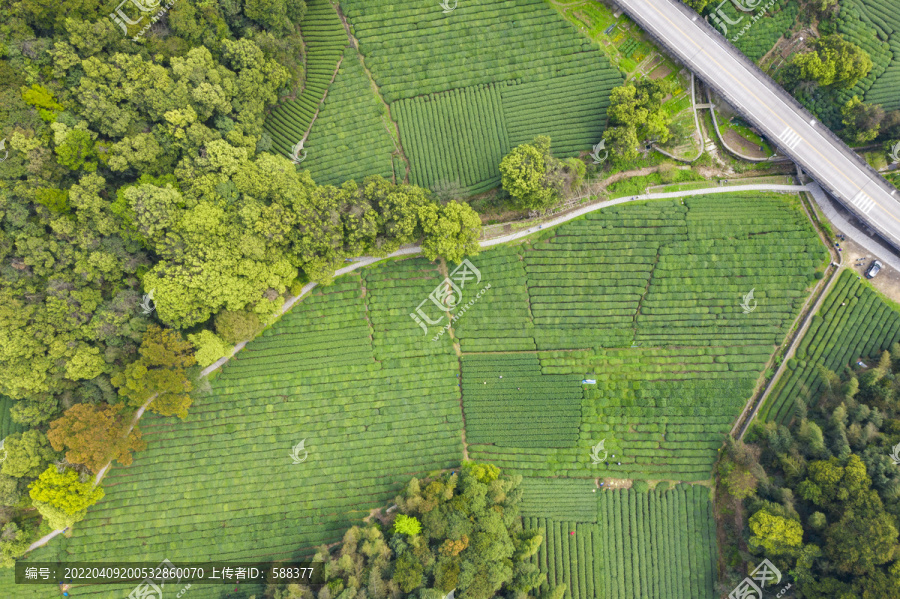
350	139
222	483
325	39
457	136
854	324
756	38
376	399
463	89
882	15
646	301
659	544
414	48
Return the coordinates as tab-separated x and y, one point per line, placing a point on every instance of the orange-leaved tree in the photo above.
94	435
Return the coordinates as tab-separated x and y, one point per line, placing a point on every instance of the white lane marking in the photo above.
863	202
790	138
777	100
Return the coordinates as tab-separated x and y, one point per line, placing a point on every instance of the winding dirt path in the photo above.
742	424
415	249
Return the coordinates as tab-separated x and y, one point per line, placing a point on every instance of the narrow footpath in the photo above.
415	249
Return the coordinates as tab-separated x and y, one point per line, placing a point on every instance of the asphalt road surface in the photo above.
836	167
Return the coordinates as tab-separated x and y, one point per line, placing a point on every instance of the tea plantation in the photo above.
759	37
873	25
854	324
463	88
882	16
646	301
325	40
643	299
350	139
439	150
858	23
656	544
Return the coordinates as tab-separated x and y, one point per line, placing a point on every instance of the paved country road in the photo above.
837	168
415	249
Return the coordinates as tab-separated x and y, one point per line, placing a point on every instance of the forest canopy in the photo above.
821	494
457	531
145	225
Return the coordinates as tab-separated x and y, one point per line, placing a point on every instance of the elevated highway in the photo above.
761	101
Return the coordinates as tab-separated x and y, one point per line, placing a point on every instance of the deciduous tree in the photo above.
523	174
451	231
861	120
236	326
833	62
209	347
160	373
636	114
27	454
94	435
471	540
13	543
65	490
775	534
407	525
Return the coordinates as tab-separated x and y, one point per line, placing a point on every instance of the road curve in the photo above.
415	249
837	168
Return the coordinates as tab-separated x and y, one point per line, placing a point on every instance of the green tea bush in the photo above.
325	39
853	323
349	139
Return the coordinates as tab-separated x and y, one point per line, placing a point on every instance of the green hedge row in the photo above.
854	323
325	39
349	139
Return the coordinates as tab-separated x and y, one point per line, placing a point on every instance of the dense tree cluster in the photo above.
145	228
458	531
865	122
535	179
821	495
861	121
833	62
636	116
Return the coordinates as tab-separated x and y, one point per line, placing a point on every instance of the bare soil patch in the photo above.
660	72
615	483
742	144
887	281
